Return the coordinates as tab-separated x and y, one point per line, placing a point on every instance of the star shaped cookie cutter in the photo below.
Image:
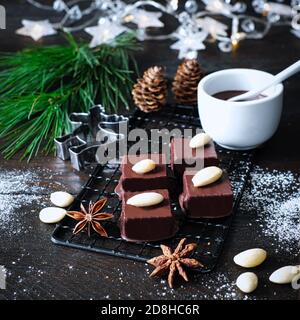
93	133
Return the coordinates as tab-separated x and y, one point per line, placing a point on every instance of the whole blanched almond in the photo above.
207	176
250	258
247	282
145	199
52	214
285	274
61	199
199	140
144	166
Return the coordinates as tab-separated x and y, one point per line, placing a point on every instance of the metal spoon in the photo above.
281	76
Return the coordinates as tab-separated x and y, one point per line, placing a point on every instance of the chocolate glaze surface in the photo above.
152	223
212	201
225	95
159	178
182	154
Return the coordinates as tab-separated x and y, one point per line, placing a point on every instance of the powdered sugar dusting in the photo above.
20	191
274	199
13	211
223	287
25	181
214	286
286	222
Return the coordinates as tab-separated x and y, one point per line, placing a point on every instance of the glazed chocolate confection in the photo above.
154	223
212	201
159	178
182	155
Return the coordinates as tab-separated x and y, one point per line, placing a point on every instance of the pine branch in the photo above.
39	87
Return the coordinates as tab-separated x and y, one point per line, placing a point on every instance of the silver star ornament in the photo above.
189	44
36	29
105	32
144	19
213	27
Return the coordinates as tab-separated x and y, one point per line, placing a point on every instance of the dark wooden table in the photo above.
37	269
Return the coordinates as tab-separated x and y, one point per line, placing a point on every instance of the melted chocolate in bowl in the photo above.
225	95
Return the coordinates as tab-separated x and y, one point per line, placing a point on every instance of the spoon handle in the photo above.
281	76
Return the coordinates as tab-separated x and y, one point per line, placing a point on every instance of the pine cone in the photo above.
150	92
186	81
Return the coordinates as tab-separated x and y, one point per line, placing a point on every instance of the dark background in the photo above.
39	270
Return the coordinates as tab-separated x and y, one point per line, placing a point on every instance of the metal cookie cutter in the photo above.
93	134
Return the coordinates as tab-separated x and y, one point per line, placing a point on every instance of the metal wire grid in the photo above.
210	235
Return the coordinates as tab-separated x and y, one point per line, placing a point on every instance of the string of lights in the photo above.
224	22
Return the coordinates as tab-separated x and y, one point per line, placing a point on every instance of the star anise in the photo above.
91	217
174	261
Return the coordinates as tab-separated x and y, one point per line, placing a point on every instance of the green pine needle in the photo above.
40	87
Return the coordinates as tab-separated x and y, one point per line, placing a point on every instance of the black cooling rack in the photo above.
210	235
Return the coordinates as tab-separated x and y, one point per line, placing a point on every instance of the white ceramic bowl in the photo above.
239	125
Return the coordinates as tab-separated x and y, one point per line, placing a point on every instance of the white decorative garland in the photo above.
222	21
